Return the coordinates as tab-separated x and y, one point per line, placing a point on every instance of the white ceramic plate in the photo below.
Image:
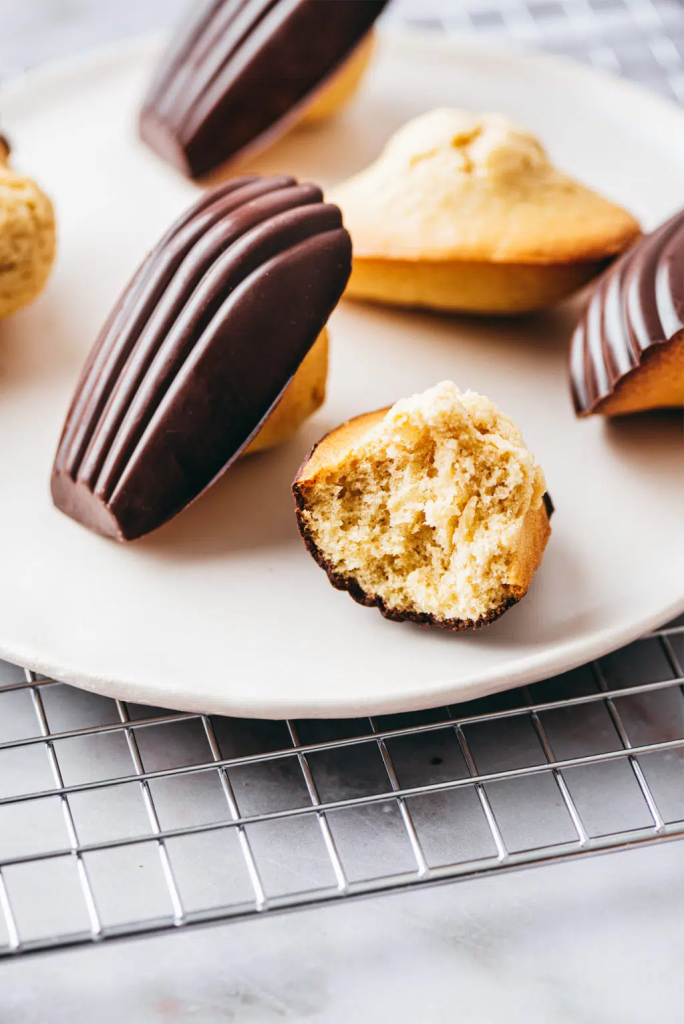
223	610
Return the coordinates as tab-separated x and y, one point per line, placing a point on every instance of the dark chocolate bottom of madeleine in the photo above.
163	141
77	501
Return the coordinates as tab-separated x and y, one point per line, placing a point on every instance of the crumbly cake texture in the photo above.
433	511
451	185
27	238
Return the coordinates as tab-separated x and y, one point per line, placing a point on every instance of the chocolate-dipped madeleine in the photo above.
433	511
198	351
627	352
240	72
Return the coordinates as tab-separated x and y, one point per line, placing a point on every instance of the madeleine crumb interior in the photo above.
432	510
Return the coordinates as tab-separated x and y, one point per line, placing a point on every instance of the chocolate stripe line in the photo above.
198	351
638	303
227	32
116	339
183	41
190	299
239	70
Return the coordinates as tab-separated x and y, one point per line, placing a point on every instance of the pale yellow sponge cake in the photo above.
27	237
432	511
466	212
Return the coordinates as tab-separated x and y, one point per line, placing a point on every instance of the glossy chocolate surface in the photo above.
198	350
638	303
237	69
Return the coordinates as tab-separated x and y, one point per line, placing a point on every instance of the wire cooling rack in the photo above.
118	819
641	39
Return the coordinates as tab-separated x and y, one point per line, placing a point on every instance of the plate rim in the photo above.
281	708
439	692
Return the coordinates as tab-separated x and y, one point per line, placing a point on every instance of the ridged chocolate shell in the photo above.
197	352
638	304
239	70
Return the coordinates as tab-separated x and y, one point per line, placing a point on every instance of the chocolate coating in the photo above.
238	69
638	304
197	351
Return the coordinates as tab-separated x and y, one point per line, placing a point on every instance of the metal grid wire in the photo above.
641	39
118	819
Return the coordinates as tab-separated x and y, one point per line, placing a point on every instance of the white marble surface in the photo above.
595	941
